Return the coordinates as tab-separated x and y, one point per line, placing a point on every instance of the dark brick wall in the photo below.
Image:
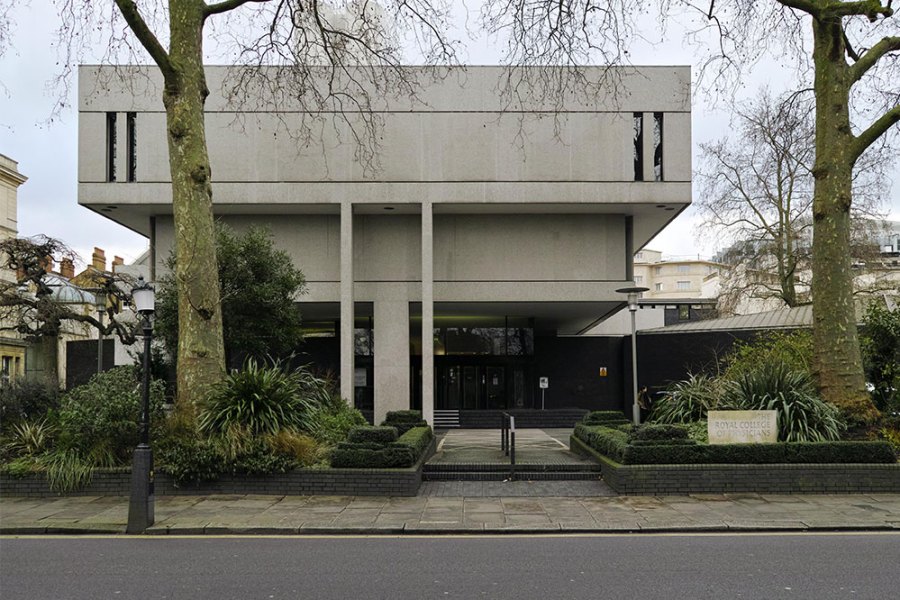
573	366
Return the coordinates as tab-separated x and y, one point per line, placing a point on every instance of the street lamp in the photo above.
100	297
140	507
633	295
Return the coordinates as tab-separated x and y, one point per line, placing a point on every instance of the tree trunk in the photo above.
836	361
201	354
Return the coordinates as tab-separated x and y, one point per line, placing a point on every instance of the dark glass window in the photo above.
638	146
131	136
658	146
110	146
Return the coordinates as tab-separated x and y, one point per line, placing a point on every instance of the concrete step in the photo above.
504	467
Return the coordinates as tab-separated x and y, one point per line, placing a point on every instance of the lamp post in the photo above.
100	297
140	507
633	295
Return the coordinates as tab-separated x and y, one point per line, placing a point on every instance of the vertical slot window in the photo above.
638	120
110	146
131	135
658	146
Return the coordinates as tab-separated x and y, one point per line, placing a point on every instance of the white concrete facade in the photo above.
460	219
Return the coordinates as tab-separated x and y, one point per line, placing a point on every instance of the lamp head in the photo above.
633	294
144	297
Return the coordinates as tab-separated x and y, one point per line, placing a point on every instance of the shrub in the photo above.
301	448
261	398
190	459
699	431
24	399
663	442
880	343
372	435
100	419
604	440
418	439
605	417
364	456
768	350
67	469
689	400
404	420
658	432
30	439
331	424
802	417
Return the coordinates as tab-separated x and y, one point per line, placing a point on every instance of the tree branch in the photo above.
874	131
871	57
225	6
146	37
807	6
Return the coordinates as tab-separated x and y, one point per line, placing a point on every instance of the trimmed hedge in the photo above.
373	435
404	420
417	439
663	442
354	456
658	432
375	448
614	444
605	417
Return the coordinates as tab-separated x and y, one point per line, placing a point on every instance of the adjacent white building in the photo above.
501	246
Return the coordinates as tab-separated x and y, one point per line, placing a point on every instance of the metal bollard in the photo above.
512	447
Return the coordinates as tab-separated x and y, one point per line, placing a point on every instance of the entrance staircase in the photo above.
477	455
446	419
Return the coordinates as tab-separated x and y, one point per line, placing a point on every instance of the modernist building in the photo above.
504	248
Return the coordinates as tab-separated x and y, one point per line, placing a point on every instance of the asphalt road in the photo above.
642	567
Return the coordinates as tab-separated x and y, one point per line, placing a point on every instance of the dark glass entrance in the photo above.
480	385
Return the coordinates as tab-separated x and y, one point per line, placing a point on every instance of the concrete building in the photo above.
12	347
676	278
504	252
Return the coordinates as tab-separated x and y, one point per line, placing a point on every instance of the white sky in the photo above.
47	154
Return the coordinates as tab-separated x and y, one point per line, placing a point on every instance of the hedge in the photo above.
605	417
614	444
669	442
658	432
404	420
374	435
352	456
417	439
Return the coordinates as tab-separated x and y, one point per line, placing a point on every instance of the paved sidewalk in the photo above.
289	515
482	446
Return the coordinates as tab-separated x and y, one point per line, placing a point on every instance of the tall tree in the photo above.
852	59
319	47
756	196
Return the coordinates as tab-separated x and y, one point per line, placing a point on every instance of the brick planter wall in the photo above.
300	482
665	480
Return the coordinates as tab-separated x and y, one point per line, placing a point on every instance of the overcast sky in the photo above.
47	153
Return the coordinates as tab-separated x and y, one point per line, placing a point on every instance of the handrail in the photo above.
508	441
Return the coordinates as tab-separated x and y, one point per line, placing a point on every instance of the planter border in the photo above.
665	480
299	482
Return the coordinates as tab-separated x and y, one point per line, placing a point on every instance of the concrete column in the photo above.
347	313
391	355
427	313
649	147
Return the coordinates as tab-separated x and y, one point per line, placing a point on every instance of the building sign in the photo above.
360	378
544	383
602	371
742	426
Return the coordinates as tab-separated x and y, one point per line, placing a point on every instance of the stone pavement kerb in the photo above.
293	515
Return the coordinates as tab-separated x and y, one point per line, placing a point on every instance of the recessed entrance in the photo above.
471	385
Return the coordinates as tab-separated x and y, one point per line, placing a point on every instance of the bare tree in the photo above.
32	307
341	55
757	195
852	61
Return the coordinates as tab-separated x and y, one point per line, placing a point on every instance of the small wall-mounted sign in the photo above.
602	371
544	383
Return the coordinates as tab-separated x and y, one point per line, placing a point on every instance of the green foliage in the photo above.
259	285
404	420
23	466
369	456
605	417
802	416
418	439
67	469
698	431
658	432
100	419
689	400
30	438
768	350
332	424
260	398
190	459
880	342
303	449
372	435
23	399
614	444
